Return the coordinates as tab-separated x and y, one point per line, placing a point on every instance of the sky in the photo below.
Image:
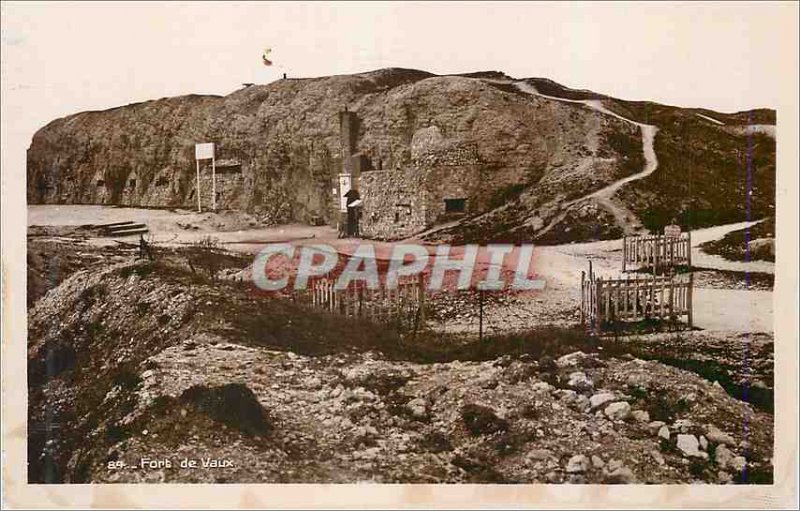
66	57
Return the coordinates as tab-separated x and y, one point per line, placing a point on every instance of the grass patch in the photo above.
733	246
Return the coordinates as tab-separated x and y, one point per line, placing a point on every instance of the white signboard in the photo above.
344	187
672	231
204	151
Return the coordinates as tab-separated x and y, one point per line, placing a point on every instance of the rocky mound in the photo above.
136	368
346	418
279	150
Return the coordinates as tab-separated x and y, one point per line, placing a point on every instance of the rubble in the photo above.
727	460
577	464
347	415
600	399
717	436
618	411
579	381
689	446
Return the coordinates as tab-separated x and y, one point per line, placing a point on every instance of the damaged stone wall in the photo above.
402	202
395	203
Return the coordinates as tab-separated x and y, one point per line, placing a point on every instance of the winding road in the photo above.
624	218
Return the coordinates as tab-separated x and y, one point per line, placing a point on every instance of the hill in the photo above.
532	159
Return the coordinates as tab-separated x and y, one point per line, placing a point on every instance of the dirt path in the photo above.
624	218
611	251
560	265
704	260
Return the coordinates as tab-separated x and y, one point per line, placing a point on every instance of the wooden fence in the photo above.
605	301
658	252
404	304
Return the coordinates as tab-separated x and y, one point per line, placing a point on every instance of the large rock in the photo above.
717	436
539	455
418	408
617	473
600	399
578	464
233	404
727	460
762	248
579	381
622	475
689	446
574	359
618	411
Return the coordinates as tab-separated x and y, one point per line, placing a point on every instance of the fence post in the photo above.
690	304
671	299
421	297
637	252
689	249
480	315
624	253
625	310
599	300
583	297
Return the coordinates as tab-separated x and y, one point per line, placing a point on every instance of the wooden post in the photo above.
671	299
689	249
583	297
625	303
421	298
213	182
690	305
480	315
599	299
624	252
598	316
199	205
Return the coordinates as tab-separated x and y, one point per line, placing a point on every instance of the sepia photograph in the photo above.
466	245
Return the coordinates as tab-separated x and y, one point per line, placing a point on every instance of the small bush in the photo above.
205	256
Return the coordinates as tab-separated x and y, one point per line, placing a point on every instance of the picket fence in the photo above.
658	252
634	298
404	304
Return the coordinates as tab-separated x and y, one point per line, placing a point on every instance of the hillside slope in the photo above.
542	156
140	360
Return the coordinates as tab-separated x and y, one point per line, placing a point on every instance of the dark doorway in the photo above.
455	206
